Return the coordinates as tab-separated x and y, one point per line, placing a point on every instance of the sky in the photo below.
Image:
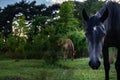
4	3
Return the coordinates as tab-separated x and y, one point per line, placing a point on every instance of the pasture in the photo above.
62	70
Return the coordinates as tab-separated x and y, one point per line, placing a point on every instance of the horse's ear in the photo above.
84	14
105	15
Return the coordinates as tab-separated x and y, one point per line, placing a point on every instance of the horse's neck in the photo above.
65	45
68	45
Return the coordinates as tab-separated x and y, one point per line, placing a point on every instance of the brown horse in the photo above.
68	49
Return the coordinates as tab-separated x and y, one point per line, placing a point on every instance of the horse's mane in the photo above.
112	6
114	13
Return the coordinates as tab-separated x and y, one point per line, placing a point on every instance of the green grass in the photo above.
63	70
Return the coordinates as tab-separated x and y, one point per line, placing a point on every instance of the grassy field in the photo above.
63	70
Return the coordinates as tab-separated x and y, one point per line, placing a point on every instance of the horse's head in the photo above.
95	33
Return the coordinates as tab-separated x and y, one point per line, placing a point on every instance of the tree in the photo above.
20	27
67	20
29	9
93	6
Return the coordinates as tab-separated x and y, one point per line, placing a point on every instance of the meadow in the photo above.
62	70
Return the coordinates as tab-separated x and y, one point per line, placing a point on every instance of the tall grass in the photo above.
63	70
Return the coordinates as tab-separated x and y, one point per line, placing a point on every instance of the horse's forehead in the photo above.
90	30
93	21
92	24
94	28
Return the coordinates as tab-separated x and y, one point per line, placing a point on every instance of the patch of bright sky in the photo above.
4	3
60	1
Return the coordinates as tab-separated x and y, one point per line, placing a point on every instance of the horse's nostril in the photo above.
94	65
98	63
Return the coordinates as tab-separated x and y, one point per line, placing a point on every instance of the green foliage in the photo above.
14	45
12	41
79	40
37	48
68	22
44	45
19	26
15	49
37	24
49	44
66	11
93	5
1	41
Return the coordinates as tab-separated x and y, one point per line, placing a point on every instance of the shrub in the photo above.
78	38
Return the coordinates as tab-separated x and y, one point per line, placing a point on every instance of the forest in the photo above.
30	31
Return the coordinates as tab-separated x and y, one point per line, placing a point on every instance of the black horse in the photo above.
103	31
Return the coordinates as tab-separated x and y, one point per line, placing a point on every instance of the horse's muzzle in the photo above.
94	64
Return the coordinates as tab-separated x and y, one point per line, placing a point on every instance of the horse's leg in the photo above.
71	54
65	54
117	64
106	62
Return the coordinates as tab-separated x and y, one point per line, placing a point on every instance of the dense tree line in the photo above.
29	9
28	30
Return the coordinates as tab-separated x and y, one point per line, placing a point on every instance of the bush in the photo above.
79	40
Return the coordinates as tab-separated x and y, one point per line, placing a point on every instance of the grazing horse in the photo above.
68	49
102	31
